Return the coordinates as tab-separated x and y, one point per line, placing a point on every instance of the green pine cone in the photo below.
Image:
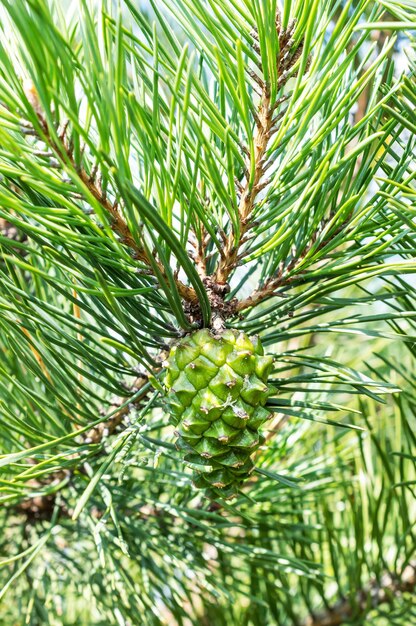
216	389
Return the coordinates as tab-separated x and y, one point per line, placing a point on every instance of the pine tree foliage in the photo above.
199	164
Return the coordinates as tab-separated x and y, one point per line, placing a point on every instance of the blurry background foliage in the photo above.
147	112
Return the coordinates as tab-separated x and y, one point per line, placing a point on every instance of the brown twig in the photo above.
200	256
64	152
265	125
366	599
284	275
250	191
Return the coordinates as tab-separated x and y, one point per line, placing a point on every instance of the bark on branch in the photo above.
286	275
63	151
265	124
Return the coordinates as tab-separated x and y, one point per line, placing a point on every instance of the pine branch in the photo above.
77	316
368	598
63	151
284	276
42	506
265	125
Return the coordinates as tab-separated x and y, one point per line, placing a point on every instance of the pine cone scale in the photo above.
216	390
